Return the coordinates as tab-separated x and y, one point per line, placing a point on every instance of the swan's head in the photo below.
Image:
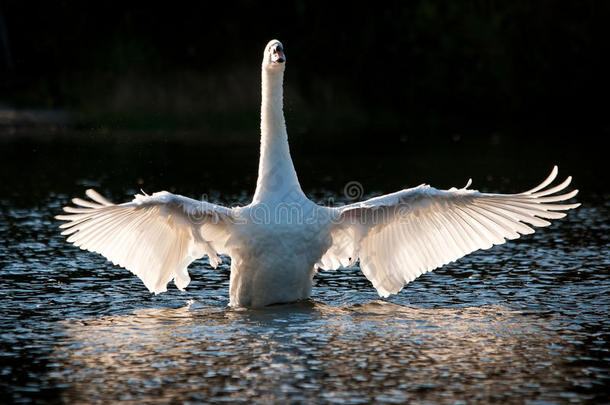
274	58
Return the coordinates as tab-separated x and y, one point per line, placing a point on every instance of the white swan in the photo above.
277	242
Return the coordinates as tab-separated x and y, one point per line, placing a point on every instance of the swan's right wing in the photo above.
155	236
400	236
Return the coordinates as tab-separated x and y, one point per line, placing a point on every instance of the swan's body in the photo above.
277	242
274	252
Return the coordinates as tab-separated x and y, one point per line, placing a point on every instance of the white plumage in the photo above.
277	242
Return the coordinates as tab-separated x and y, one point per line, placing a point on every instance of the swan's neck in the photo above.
277	179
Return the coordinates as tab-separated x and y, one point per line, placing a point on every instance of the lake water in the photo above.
527	321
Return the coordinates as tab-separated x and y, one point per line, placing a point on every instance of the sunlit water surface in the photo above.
525	321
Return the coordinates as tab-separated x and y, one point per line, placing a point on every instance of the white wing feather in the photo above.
400	236
155	237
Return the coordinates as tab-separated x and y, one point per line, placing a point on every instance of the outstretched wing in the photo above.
400	236
155	236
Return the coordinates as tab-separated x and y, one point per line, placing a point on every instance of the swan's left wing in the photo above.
400	236
155	236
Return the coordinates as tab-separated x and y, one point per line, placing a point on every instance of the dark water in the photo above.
524	322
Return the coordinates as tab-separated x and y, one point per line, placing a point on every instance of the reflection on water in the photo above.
372	352
528	320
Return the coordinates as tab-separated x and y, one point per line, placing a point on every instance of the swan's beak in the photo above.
277	54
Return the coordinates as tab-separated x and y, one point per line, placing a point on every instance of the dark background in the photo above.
423	65
454	89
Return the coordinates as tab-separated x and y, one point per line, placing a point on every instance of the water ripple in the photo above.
525	321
